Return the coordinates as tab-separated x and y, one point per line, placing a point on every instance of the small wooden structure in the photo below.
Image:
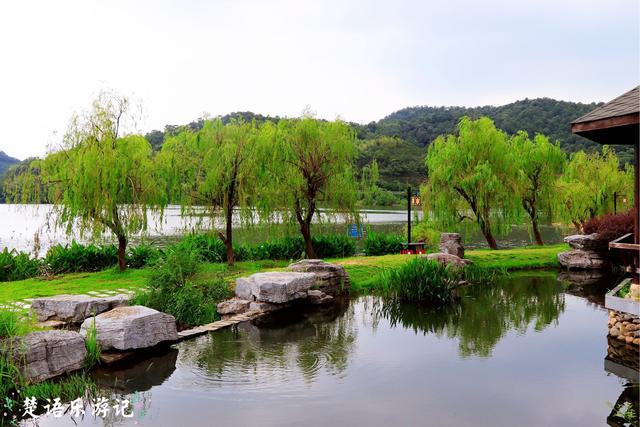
618	122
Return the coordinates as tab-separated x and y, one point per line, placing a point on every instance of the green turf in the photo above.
363	272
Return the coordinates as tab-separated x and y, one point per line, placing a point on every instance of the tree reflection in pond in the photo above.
320	339
484	314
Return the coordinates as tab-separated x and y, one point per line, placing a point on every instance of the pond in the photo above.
20	224
527	351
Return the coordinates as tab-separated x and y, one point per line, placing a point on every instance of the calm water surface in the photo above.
525	352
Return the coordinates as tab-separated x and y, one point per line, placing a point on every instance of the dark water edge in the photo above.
527	351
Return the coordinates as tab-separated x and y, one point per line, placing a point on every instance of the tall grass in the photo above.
17	265
424	281
91	344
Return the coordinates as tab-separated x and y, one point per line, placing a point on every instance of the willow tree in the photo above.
540	164
311	168
470	175
214	169
588	185
99	180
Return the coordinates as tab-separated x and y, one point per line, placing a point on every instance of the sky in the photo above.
358	60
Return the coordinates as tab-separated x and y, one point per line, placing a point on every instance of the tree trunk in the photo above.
228	241
305	229
536	232
485	227
122	253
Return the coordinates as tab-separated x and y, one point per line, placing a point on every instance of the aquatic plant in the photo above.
421	280
91	343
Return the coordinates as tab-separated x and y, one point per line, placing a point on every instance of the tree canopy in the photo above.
470	175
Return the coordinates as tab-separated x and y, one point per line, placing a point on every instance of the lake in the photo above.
19	225
527	351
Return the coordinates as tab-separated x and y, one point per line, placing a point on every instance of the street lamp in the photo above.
615	200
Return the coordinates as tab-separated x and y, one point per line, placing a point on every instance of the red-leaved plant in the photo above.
610	227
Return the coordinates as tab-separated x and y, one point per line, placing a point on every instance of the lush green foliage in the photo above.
91	343
308	166
588	185
99	180
77	257
17	265
215	169
173	290
472	172
142	255
383	243
540	164
420	280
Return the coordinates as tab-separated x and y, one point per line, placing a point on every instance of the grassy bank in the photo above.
363	272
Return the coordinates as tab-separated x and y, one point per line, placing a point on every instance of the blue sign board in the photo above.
355	231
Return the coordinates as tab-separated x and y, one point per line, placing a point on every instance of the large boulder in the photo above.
275	287
330	278
131	327
448	259
48	354
74	308
582	260
587	242
317	297
451	243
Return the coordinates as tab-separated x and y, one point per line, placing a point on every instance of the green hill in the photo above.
6	161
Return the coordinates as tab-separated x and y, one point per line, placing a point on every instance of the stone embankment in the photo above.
624	327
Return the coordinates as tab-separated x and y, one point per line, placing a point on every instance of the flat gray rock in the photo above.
47	354
132	327
587	242
582	260
330	278
74	308
275	287
233	306
448	259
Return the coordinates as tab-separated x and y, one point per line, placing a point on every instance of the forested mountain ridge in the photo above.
6	161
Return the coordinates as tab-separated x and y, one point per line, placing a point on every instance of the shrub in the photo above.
420	280
17	265
208	246
334	246
283	248
610	227
383	243
426	232
174	290
77	257
142	255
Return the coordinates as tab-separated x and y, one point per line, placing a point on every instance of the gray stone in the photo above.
243	289
74	308
451	243
582	260
317	297
132	327
264	307
587	242
48	354
233	306
448	259
276	286
330	278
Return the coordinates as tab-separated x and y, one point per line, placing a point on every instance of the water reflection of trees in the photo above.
484	314
312	341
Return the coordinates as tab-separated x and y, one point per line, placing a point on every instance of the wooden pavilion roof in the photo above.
616	122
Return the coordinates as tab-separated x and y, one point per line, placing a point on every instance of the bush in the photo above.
425	231
173	289
208	246
383	243
283	248
77	257
142	255
421	280
333	246
17	265
610	227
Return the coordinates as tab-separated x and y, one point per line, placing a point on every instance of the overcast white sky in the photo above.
359	60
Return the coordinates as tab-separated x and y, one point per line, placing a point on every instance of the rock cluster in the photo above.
48	354
329	278
448	259
623	353
74	308
624	327
131	327
265	292
588	252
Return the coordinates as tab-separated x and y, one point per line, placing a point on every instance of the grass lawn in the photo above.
363	272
